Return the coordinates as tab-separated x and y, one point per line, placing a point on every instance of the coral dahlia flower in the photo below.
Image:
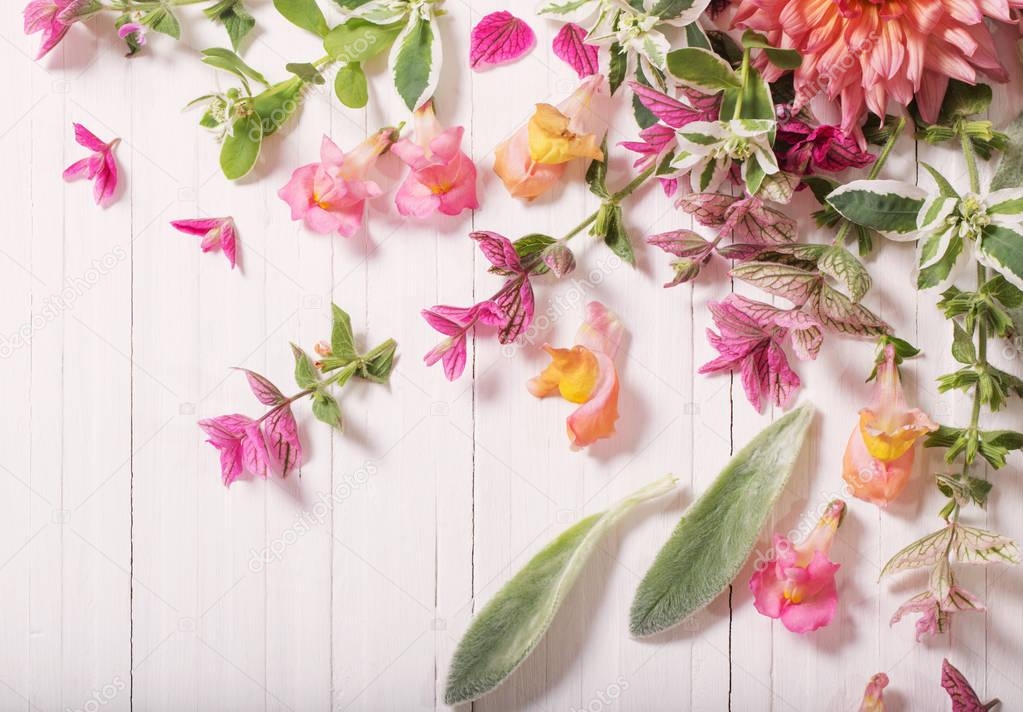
867	52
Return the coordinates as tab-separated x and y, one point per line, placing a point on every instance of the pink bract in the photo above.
100	167
500	38
570	47
216	233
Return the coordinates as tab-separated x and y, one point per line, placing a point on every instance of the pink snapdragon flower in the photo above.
100	167
215	232
330	196
798	587
873	696
585	374
750	340
54	18
443	177
804	149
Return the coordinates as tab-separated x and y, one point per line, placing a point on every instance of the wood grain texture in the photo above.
126	567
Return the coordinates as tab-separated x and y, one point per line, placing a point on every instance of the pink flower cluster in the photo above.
330	195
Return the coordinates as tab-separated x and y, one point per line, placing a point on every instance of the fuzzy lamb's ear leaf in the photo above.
511	625
887	206
712	542
1010	168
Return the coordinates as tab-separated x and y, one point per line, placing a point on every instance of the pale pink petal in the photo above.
282	440
570	46
79	169
499	38
330	155
229	242
595	419
321	221
601	331
88	139
298	192
416	199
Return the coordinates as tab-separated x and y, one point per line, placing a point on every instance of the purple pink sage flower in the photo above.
216	233
100	167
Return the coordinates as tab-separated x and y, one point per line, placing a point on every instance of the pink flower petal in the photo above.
499	38
88	139
570	46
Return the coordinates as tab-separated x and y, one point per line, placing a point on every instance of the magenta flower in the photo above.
256	446
54	18
443	177
241	445
803	149
455	323
330	196
798	587
750	341
510	309
499	38
100	167
215	232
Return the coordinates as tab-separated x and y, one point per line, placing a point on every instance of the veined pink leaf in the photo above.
282	440
499	38
570	47
792	283
709	209
265	391
836	312
499	250
681	243
964	699
668	109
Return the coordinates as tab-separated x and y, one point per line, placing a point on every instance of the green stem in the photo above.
971	161
625	192
875	171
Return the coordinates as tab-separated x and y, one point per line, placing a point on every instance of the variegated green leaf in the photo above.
971	545
1001	248
415	62
887	206
922	553
702	69
837	313
515	620
716	534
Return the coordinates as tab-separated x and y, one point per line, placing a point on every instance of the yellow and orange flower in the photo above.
532	160
867	52
586	374
879	456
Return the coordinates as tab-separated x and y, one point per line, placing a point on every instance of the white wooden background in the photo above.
124	563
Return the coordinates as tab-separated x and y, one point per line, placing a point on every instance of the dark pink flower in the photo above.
803	149
241	445
751	343
215	232
54	18
100	167
455	323
443	177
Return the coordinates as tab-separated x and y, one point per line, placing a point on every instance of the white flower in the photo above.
707	150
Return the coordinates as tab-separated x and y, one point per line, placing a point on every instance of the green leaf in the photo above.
276	105
882	205
716	534
306	375
781	58
305	71
963	101
351	86
1002	249
1007	295
1010	169
526	247
241	149
512	624
357	40
415	62
618	67
342	338
327	410
610	226
235	19
937	272
696	37
757	100
702	69
678	11
842	266
163	21
963	349
379	362
305	14
229	61
946	188
596	173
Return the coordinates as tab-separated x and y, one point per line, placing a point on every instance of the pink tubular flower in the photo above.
533	159
330	196
215	232
882	447
873	696
867	53
750	341
100	167
54	18
443	177
586	374
798	587
455	323
803	149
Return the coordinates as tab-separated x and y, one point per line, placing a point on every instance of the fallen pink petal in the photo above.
100	167
570	46
500	38
216	233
